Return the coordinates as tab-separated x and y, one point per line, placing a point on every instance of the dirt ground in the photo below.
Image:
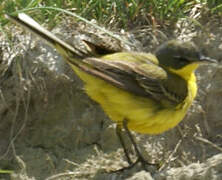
50	129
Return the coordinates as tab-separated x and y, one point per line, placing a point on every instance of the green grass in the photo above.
215	5
119	13
5	171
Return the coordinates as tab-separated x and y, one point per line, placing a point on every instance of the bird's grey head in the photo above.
178	54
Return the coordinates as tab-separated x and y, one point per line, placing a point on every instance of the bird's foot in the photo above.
147	166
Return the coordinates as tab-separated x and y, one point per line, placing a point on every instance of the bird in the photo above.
141	92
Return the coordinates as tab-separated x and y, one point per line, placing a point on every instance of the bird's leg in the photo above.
119	134
140	159
122	142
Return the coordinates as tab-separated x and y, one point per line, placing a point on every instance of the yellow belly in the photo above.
143	114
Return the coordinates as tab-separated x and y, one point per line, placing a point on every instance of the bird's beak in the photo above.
207	59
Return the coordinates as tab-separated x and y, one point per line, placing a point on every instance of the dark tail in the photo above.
31	25
73	56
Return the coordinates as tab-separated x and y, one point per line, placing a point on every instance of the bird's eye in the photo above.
181	59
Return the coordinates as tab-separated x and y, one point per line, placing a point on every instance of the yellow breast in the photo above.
143	114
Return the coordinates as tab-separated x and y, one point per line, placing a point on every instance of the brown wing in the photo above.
142	79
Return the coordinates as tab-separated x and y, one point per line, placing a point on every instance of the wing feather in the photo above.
143	79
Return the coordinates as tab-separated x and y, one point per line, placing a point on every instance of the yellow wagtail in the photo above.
139	91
